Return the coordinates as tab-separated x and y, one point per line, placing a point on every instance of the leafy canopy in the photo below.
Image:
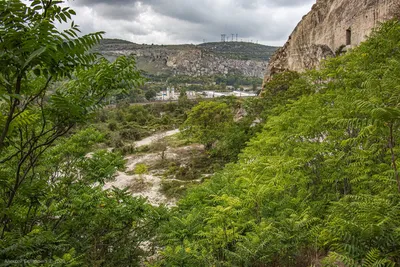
53	209
319	185
207	121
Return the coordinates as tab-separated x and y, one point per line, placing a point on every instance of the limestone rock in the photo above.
329	26
194	60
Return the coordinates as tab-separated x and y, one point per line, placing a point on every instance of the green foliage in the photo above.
127	123
216	82
53	209
363	228
207	121
280	82
227	139
240	50
101	166
237	80
150	94
141	169
319	185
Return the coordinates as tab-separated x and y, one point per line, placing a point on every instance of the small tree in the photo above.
150	94
279	83
183	100
207	122
162	146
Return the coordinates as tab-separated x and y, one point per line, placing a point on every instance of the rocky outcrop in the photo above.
330	26
188	59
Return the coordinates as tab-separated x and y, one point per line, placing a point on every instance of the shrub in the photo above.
141	169
112	126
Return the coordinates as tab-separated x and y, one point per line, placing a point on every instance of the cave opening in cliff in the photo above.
348	36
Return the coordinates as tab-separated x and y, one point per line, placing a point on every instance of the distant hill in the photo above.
241	50
247	59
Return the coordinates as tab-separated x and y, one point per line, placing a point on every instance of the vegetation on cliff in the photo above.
241	50
318	186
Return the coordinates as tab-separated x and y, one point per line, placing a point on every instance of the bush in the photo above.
130	134
112	126
173	188
141	169
127	149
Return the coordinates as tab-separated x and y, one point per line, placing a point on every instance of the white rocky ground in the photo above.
149	185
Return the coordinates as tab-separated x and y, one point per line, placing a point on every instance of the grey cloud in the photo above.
244	3
118	12
269	21
95	2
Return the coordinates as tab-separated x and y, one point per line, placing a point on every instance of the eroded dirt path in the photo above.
149	185
154	138
145	185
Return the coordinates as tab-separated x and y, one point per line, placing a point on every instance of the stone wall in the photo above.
330	25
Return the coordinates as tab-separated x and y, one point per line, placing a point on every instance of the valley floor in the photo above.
153	181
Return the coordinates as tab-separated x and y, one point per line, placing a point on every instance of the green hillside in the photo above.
241	50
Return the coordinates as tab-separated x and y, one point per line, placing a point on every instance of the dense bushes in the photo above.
54	210
318	185
127	123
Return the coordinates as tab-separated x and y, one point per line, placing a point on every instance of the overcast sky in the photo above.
191	21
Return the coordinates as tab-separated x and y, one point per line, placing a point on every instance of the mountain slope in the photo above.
241	50
246	59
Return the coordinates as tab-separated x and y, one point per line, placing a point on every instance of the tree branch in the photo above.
10	116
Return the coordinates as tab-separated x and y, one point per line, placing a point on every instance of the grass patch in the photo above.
177	140
139	185
176	189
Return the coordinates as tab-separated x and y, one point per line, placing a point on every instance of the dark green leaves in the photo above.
52	211
319	183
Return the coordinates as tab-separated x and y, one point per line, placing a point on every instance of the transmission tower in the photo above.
232	36
236	37
223	36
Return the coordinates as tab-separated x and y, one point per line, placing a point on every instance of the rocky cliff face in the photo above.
330	26
189	59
